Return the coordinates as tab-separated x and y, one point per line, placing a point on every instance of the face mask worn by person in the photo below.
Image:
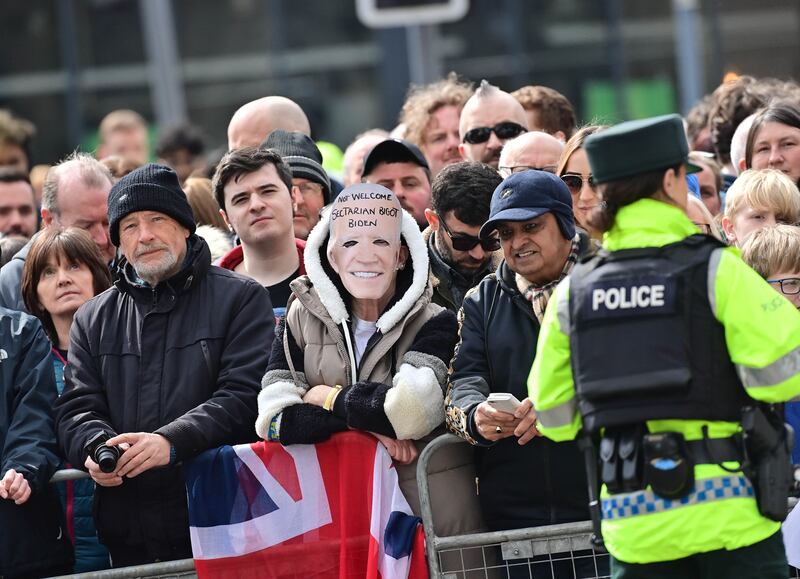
364	245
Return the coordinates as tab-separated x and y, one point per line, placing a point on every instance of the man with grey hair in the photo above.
75	194
489	118
254	121
534	150
182	345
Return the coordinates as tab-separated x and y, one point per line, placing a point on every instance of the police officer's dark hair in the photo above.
244	161
465	189
617	194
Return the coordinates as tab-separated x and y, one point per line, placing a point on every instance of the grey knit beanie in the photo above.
302	155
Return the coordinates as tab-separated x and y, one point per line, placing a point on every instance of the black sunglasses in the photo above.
574	182
504	131
463	242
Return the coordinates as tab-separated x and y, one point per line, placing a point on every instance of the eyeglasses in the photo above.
507	171
504	131
574	182
464	242
308	189
789	285
704	228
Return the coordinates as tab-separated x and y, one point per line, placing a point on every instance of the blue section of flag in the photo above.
398	537
222	490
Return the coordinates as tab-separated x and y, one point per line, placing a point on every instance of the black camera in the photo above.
105	456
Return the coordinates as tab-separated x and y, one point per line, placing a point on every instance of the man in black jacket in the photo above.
33	541
167	362
525	480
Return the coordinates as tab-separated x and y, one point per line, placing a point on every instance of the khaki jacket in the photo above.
397	389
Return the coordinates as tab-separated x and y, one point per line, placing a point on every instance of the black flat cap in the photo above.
393	151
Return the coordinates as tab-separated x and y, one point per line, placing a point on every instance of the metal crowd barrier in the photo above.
551	551
163	570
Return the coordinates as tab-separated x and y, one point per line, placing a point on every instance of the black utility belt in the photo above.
632	459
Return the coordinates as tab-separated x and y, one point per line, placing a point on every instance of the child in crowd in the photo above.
759	199
774	252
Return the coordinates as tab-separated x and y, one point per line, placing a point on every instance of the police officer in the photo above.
652	349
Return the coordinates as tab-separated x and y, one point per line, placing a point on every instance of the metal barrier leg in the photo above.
425	498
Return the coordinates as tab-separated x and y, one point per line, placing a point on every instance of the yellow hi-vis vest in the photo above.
762	333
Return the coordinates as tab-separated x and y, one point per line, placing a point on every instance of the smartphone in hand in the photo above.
503	401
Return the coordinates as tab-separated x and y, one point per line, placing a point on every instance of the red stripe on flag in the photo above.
281	465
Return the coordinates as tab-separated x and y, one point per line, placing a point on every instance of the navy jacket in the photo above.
543	482
33	539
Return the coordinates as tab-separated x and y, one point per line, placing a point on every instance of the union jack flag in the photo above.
328	510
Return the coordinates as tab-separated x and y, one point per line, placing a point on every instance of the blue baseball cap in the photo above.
527	195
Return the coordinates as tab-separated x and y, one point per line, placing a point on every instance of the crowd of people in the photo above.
162	303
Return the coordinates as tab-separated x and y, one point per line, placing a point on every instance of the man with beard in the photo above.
167	363
401	167
489	119
460	196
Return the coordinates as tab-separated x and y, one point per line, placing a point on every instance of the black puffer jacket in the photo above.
543	482
33	538
184	360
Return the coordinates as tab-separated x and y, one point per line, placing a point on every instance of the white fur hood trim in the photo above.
330	297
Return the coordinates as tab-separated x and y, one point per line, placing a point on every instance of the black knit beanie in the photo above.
302	155
148	188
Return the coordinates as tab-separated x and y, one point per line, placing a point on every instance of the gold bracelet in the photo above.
332	397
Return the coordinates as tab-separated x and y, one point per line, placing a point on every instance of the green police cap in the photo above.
636	147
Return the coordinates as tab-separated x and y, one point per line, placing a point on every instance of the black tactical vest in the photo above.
644	341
